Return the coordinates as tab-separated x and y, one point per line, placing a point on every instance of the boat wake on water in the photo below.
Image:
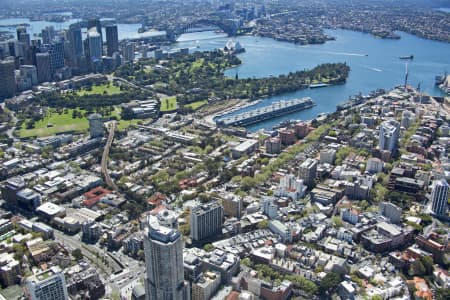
370	68
375	69
345	53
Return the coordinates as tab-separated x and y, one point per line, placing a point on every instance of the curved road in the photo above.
111	129
110	77
10	131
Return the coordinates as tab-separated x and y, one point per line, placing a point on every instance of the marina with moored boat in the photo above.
274	110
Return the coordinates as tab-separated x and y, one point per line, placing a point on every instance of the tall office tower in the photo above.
56	52
7	78
12	48
23	36
389	134
25	39
163	250
112	40
86	48
75	40
308	171
128	52
48	34
29	72
4	50
97	24
33	50
21	50
439	197
94	41
36	43
43	67
20	30
206	221
31	54
75	51
117	59
45	287
95	125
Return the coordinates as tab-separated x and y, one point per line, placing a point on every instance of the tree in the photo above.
337	221
212	166
76	253
364	204
203	197
248	183
30	124
208	247
442	294
246	262
426	219
383	179
427	262
19	251
263	224
329	282
379	192
160	176
416	268
141	254
185	229
342	154
134	209
302	283
319	269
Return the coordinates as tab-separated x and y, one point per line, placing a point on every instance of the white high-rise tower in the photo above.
163	249
439	197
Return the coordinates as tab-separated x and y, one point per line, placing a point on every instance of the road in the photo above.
111	128
89	252
110	78
123	282
10	131
117	279
127	291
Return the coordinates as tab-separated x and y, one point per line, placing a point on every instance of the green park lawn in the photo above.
168	104
110	89
196	105
196	64
55	123
124	124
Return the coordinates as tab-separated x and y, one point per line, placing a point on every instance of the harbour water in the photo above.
374	64
444	9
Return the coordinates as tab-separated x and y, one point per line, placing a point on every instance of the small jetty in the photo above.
318	85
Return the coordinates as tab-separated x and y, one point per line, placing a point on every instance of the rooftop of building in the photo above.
50	208
309	162
161	233
245	145
204	208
